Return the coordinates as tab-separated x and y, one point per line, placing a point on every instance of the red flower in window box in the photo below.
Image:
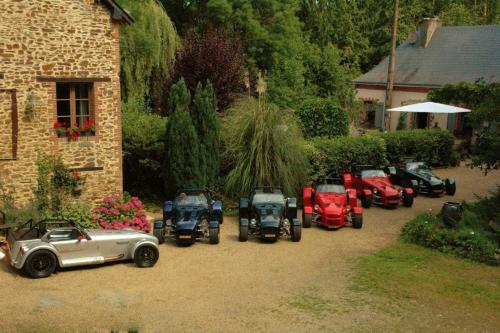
89	126
60	128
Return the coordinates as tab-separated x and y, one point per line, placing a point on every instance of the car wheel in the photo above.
357	221
450	187
243	236
407	200
409	184
40	264
160	234
306	220
146	256
366	202
213	234
296	233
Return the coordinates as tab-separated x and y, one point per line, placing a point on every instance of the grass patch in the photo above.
404	271
314	305
231	212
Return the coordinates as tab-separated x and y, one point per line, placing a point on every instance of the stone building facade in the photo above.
60	64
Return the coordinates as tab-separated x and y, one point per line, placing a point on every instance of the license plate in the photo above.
185	237
269	235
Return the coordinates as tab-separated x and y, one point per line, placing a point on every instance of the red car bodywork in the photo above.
382	191
330	209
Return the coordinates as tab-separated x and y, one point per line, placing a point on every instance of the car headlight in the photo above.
375	191
316	207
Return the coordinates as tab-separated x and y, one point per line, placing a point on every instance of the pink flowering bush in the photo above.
115	213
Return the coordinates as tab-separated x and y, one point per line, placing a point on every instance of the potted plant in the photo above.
78	183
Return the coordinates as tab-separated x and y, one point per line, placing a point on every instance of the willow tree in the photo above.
263	147
148	49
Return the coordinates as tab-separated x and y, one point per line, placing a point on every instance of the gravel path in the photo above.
230	287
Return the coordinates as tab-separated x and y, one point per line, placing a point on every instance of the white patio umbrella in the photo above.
429	107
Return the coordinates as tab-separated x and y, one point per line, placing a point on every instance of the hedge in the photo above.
434	146
331	157
428	230
323	117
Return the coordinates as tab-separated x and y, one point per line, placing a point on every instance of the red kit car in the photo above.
330	205
383	192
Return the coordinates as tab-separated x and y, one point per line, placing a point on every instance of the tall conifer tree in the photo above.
206	122
182	157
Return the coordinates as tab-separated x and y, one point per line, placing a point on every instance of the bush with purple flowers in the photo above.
116	213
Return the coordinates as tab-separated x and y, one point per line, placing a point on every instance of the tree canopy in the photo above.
484	100
147	50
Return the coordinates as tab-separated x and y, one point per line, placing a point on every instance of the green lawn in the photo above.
404	272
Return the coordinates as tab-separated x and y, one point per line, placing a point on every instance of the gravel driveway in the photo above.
230	287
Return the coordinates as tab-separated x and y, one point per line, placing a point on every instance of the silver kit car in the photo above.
39	248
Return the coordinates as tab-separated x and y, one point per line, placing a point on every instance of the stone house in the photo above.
428	59
59	75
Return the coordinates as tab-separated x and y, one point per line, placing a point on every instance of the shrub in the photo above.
263	147
434	146
55	183
331	157
77	213
116	213
402	121
323	117
143	149
428	230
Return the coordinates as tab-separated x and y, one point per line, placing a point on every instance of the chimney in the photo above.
427	29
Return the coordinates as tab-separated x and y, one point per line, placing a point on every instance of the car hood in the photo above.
426	175
382	184
331	203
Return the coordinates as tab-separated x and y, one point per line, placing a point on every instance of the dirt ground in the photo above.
238	287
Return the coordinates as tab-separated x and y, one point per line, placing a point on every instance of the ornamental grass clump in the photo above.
116	213
263	147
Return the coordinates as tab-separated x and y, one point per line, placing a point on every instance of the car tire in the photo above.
409	184
407	200
146	256
160	234
366	202
40	264
357	221
450	187
306	220
243	236
213	235
296	232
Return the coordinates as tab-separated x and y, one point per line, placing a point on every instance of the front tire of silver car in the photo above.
40	264
146	256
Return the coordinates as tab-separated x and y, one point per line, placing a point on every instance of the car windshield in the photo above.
330	188
191	200
372	173
261	198
412	166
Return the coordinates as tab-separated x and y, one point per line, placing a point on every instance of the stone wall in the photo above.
44	42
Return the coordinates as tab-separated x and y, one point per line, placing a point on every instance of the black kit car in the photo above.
268	215
419	176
